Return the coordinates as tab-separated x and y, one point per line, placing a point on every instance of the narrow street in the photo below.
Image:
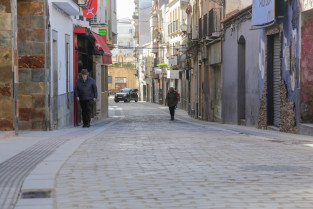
138	158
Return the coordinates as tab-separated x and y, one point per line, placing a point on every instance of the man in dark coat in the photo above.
86	93
171	101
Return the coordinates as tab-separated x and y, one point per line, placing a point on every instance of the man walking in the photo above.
86	93
171	101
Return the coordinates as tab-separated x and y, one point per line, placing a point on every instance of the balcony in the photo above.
70	7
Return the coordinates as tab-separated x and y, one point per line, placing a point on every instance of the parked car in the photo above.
127	95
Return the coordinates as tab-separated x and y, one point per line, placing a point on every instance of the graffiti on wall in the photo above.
290	58
306	96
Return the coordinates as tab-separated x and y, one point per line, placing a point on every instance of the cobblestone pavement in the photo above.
144	160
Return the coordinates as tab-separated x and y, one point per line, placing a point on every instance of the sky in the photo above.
125	8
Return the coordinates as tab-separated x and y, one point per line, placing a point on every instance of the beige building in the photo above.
122	76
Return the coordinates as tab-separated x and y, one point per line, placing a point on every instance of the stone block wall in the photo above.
6	67
32	71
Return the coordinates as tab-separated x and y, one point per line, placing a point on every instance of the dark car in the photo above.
127	95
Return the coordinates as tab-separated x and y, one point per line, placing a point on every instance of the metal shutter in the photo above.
276	80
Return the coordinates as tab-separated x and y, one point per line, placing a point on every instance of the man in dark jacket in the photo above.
171	101
86	93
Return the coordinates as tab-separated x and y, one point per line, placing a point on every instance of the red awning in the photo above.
106	51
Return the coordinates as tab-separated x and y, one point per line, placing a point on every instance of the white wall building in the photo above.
125	40
61	62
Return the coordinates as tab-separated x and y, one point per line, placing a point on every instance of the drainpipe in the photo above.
15	115
47	63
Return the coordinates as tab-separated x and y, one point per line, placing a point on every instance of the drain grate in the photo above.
36	194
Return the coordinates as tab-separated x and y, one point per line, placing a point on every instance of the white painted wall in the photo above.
63	24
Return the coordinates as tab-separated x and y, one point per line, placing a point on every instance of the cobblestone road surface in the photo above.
145	161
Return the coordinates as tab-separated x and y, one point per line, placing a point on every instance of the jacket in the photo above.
171	99
86	90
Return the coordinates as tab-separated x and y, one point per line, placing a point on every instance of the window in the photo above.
93	20
120	80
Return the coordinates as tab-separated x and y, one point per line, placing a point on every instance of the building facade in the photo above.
40	42
278	64
9	111
240	97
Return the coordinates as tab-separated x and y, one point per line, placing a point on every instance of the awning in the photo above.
107	55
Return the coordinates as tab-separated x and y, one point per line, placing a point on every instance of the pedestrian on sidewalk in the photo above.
171	101
86	93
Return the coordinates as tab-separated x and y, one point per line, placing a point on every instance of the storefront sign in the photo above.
173	74
103	32
263	12
307	5
172	60
158	71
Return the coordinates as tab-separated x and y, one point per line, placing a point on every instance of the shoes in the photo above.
84	126
172	118
88	125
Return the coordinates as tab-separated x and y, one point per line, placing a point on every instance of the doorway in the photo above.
217	93
242	81
273	80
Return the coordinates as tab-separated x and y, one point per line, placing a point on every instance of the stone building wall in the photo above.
32	72
6	57
129	74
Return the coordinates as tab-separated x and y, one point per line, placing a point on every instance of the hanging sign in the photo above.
263	12
90	8
172	60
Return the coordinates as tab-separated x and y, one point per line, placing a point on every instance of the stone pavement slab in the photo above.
141	159
147	161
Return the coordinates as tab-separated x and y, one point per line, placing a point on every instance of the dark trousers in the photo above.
86	110
172	111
